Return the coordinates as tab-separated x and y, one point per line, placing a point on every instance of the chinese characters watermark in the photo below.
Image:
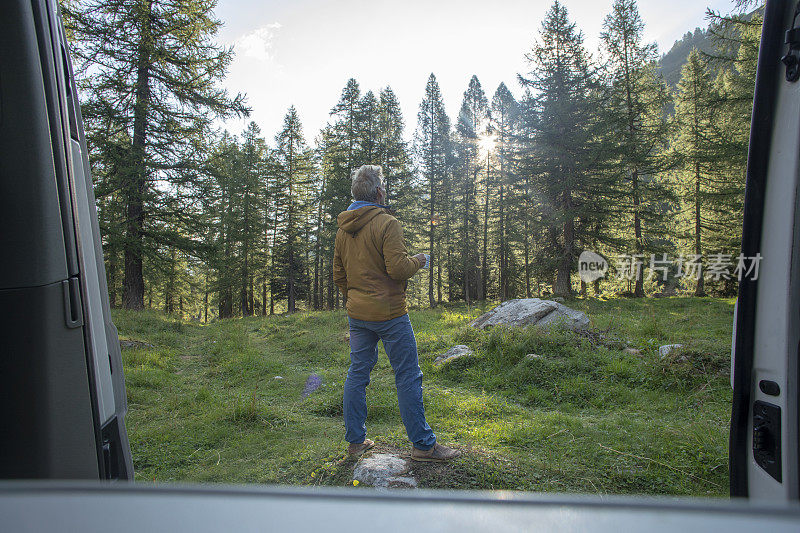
716	266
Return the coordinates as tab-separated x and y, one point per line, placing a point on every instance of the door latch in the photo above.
767	438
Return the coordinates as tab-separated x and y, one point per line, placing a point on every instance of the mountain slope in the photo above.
672	62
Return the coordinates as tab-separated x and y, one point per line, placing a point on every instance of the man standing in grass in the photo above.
371	266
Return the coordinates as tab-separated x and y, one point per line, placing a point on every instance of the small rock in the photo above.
666	349
532	356
453	353
632	351
384	470
278	377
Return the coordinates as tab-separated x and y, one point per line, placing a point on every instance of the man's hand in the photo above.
422	260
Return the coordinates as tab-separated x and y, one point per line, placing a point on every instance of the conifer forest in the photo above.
599	151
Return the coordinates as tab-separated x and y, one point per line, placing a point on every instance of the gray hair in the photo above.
366	181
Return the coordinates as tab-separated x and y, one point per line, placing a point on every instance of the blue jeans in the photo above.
401	348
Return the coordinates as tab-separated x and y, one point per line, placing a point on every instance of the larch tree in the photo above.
395	159
736	38
638	132
432	144
223	166
250	198
563	129
504	114
149	71
343	153
696	144
368	132
470	129
294	166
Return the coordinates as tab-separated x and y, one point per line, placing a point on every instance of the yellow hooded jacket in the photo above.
371	264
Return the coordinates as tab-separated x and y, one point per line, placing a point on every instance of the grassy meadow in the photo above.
222	402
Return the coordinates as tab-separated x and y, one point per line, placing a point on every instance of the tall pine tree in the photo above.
638	129
432	141
293	179
695	142
471	127
504	115
563	129
149	71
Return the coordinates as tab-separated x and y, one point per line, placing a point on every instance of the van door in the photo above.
764	451
62	399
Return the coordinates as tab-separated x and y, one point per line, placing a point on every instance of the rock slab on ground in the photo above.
532	311
455	352
665	350
384	470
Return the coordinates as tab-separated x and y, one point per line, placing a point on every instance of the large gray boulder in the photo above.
383	471
532	311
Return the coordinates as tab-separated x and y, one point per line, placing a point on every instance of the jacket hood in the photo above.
352	221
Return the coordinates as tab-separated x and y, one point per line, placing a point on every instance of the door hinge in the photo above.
792	57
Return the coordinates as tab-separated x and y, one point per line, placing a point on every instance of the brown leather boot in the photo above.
437	454
359	448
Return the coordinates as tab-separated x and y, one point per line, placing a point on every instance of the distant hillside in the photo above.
672	61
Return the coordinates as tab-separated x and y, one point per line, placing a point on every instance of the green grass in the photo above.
587	416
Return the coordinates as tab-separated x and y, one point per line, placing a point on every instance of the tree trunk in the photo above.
290	274
467	250
431	226
111	271
333	302
439	274
485	258
307	264
503	266
169	290
205	301
133	282
527	240
638	291
700	288
251	310
563	283
449	244
245	257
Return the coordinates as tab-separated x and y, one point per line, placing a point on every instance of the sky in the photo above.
302	52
